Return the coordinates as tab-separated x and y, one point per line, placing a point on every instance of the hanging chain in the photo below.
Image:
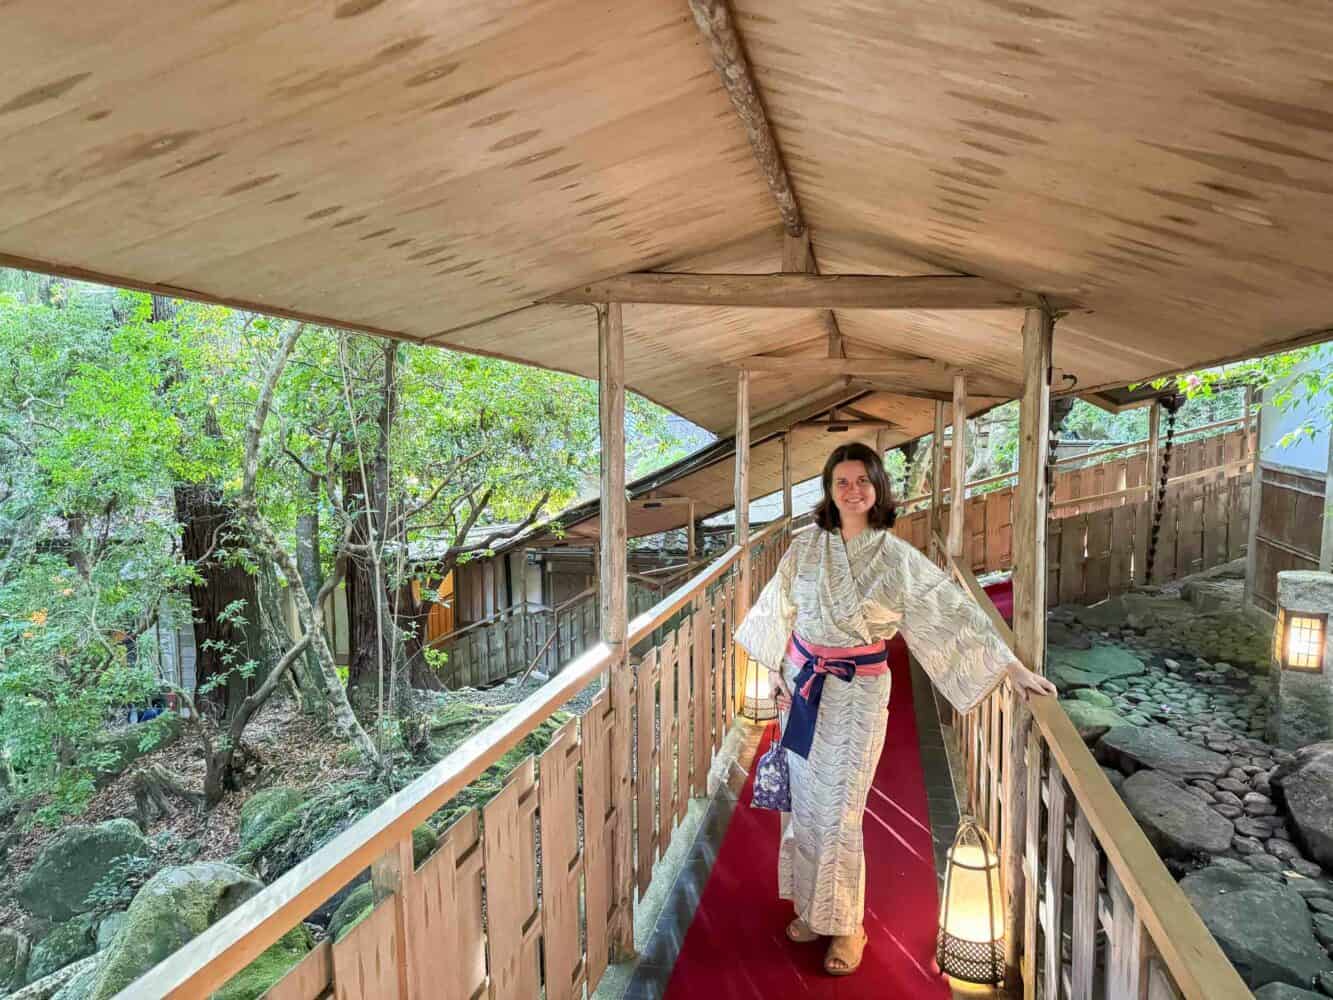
1170	404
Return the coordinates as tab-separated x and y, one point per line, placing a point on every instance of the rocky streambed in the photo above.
1169	688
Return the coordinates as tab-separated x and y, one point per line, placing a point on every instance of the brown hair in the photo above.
884	512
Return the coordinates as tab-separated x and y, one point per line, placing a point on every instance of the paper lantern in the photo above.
971	935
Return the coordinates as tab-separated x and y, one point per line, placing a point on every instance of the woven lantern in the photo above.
971	935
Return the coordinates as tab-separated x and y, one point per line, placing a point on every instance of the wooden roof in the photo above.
428	171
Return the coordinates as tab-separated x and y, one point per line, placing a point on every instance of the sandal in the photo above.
799	931
845	953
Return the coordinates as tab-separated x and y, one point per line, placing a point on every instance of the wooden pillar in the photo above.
1151	473
958	505
1256	503
1030	504
742	497
614	618
937	476
786	475
1246	444
690	550
1325	527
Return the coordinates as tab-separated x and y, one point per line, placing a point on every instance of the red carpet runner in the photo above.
735	948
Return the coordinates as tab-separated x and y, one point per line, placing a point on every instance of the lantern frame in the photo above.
757	703
980	962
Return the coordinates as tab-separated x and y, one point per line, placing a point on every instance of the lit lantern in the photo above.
1301	704
971	935
758	703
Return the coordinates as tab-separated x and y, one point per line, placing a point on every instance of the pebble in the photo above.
1228	810
1265	863
1246	845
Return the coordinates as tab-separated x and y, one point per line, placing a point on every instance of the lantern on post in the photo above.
1301	704
971	935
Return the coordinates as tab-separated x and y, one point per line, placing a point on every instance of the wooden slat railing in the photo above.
1132	932
426	936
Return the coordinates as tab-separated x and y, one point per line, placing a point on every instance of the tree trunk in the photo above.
307	539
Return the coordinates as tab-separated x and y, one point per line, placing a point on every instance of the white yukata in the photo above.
840	594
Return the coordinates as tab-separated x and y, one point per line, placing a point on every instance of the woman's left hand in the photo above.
1027	683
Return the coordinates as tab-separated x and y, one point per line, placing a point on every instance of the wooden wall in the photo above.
1290	529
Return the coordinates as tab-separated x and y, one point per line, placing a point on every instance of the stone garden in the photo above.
1169	686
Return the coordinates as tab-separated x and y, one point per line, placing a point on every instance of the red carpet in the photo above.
735	947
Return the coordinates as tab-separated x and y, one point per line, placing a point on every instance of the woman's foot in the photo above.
799	931
844	953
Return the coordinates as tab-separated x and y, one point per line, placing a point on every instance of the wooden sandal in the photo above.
845	953
800	932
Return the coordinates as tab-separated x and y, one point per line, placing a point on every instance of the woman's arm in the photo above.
767	627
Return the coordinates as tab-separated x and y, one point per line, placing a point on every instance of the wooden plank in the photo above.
1160	984
999	530
1073	538
562	950
1189	538
388	877
684	656
936	521
598	834
958	462
1164	565
719	677
309	978
645	780
1084	934
1126	945
1031	854
513	921
1030	500
365	962
1120	571
443	906
1056	793
666	754
1096	579
702	708
799	291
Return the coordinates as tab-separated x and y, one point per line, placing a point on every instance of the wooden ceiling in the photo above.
427	171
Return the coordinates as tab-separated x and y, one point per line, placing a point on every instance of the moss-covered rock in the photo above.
176	905
117	751
424	842
57	885
109	928
352	910
14	949
260	975
264	808
65	944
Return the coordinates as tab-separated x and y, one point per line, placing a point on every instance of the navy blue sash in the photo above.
800	731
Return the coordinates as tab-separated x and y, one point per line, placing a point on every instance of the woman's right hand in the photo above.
781	693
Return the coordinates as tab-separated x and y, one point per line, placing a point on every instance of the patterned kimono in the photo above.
851	594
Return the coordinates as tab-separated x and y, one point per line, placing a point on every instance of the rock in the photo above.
263	808
1325	983
1080	668
424	842
57	885
1058	634
355	908
1264	927
1114	777
1252	826
1093	697
1265	863
1309	869
119	749
1091	721
109	928
1144	612
1320	904
1284	991
1304	787
1283	849
1228	797
1108	614
14	950
172	908
1179	826
1228	810
1323	929
65	944
1234	785
1247	845
256	978
1161	749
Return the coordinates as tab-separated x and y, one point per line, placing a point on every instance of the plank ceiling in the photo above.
426	170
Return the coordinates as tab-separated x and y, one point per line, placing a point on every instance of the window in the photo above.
1305	642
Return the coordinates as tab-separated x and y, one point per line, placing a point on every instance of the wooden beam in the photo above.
614	606
714	20
799	291
911	373
937	471
857	424
958	505
786	476
742	494
781	418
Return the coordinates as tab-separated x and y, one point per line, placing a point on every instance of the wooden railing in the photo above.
1133	933
605	797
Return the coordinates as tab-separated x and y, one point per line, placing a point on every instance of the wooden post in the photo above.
523	621
937	474
1246	445
1029	545
690	551
786	475
742	497
1151	472
1326	530
388	878
957	505
1256	501
612	601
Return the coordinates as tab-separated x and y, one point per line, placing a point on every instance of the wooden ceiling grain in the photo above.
428	171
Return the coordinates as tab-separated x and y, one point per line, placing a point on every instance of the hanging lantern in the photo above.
758	703
971	935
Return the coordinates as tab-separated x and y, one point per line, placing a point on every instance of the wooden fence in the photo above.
1100	915
549	920
1290	528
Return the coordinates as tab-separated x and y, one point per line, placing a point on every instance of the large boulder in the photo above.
1144	611
1092	721
352	910
65	944
264	808
1178	824
71	863
1304	786
1263	926
116	751
1090	668
1133	747
14	949
259	976
1285	991
172	908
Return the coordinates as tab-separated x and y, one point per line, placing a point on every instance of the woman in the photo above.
819	627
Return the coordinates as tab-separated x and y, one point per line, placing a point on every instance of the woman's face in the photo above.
853	492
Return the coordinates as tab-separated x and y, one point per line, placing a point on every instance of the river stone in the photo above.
65	944
1323	929
172	908
1091	721
1108	614
1264	927
1284	991
263	808
1304	787
1132	747
1084	668
1179	826
14	950
1093	697
1058	634
57	885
